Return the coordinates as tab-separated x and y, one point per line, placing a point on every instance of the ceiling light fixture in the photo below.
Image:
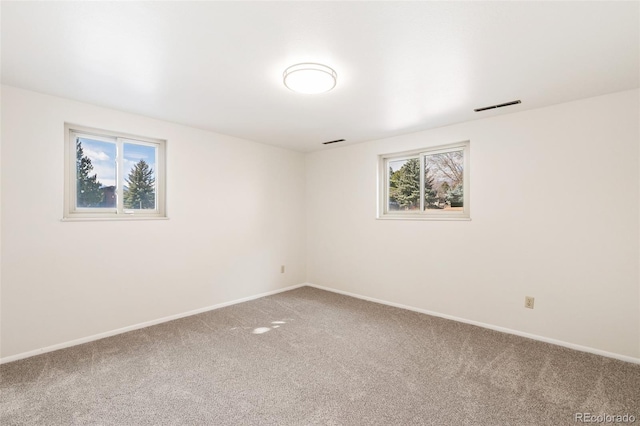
310	78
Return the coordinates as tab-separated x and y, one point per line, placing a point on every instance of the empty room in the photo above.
335	213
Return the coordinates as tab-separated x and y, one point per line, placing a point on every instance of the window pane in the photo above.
443	181
404	184
95	173
140	176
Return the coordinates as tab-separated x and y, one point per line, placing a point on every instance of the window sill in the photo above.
420	217
112	219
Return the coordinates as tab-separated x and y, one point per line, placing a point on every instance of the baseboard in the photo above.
346	293
139	326
562	343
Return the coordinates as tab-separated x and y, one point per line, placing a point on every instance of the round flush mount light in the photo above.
310	78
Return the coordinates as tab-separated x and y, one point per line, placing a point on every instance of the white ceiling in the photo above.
402	66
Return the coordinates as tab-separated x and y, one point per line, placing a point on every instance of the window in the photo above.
112	175
432	183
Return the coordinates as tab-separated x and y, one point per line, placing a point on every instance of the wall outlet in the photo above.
282	269
528	302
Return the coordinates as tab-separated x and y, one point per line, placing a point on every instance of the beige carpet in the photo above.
312	357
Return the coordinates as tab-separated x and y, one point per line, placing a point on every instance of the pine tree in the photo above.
404	185
430	194
456	196
88	187
141	192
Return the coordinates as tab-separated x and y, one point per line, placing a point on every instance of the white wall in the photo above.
554	207
235	215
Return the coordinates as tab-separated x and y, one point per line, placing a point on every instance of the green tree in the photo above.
456	196
141	191
404	185
443	192
88	187
430	194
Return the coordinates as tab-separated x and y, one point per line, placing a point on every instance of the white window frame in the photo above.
72	212
421	214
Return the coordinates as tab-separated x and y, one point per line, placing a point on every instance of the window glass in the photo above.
404	184
444	181
139	176
95	173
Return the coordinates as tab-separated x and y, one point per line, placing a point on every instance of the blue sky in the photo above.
396	165
103	158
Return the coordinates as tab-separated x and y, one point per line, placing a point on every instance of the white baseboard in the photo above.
489	326
139	326
346	293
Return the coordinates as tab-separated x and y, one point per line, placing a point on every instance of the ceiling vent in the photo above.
330	142
498	106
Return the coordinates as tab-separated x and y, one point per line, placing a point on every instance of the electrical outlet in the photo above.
528	302
282	269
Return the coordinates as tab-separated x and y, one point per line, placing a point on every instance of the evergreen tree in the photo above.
430	194
89	193
404	185
443	192
141	191
456	196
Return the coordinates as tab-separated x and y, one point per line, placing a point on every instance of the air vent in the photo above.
498	106
336	141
